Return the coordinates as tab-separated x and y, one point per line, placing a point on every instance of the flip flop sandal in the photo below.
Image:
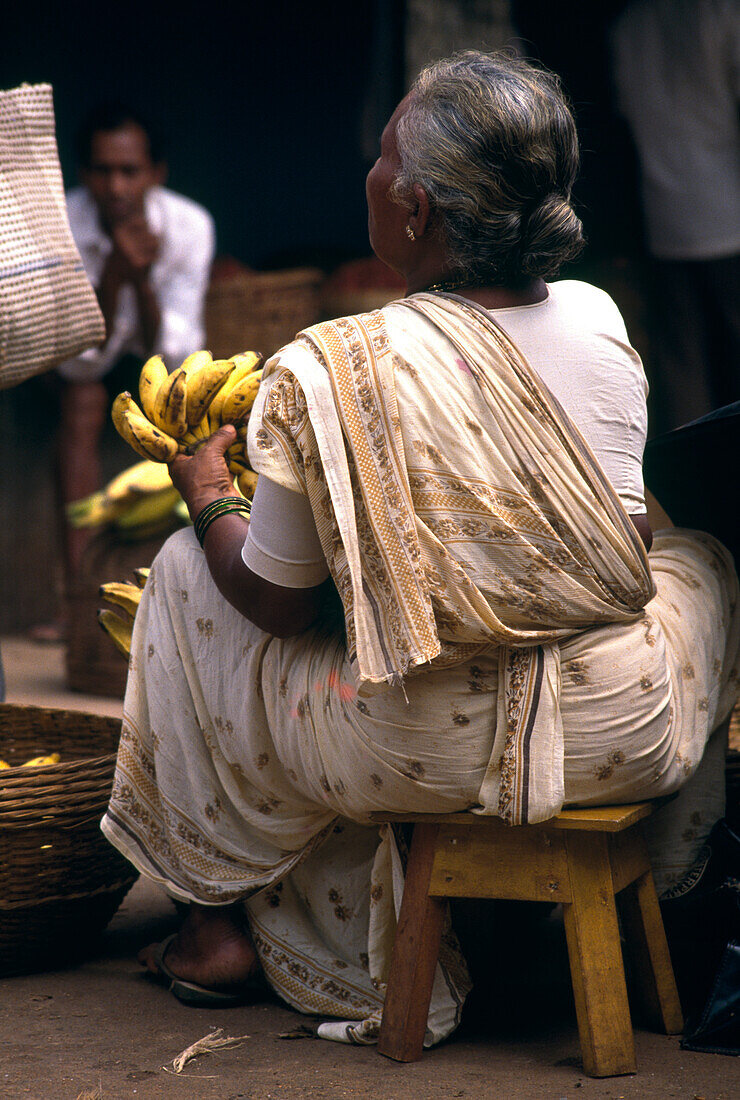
190	993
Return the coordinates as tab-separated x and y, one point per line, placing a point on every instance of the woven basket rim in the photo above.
60	795
123	882
18	773
11	709
292	276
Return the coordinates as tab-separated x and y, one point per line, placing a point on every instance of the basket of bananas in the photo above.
60	879
181	410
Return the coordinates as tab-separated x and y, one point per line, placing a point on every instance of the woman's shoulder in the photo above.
577	290
586	301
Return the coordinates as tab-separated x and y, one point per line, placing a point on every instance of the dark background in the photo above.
261	105
266	108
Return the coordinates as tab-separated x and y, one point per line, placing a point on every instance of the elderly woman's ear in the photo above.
420	213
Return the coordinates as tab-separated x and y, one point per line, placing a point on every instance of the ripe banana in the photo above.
144	514
123	595
152	378
203	385
239	400
197	435
244	364
138	480
196	361
146	439
237	451
95	510
182	513
118	629
170	404
42	761
246	483
249	359
179	412
107	505
141	575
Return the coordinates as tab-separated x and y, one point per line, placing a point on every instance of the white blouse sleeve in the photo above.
282	545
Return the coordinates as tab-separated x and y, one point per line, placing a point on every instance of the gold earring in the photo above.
410	233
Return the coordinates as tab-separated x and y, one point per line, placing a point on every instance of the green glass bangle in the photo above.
220	507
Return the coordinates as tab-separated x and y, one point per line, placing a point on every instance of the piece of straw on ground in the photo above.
213	1041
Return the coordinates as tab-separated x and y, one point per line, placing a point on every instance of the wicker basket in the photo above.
60	879
260	310
360	286
93	664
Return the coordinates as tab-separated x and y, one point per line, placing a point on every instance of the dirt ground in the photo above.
104	1031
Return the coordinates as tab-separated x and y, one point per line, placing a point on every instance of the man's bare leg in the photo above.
83	410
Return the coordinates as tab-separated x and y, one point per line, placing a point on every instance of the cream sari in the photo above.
433	562
487	572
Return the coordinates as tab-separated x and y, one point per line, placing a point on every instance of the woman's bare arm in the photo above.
641	524
273	608
654	518
657	516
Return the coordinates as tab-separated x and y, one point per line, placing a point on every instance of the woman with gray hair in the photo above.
492	144
442	599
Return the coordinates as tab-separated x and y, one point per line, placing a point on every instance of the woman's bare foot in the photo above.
212	949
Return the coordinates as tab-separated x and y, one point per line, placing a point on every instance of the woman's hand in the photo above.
204	476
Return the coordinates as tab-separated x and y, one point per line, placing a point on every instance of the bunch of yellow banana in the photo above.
147	518
179	411
137	503
125	598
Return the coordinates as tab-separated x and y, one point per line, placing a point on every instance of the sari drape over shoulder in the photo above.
536	549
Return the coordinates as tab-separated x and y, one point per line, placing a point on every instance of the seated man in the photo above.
148	253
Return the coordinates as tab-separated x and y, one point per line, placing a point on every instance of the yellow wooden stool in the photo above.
582	859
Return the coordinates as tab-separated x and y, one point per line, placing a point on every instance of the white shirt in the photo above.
677	73
577	342
179	277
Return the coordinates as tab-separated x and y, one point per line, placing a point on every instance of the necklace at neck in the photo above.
451	285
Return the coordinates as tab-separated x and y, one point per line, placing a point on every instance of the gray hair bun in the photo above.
550	235
493	143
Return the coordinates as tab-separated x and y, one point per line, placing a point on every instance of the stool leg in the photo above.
652	970
596	967
414	957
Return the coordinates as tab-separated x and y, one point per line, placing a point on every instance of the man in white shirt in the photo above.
148	253
677	74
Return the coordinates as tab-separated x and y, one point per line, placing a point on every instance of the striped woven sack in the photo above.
48	309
